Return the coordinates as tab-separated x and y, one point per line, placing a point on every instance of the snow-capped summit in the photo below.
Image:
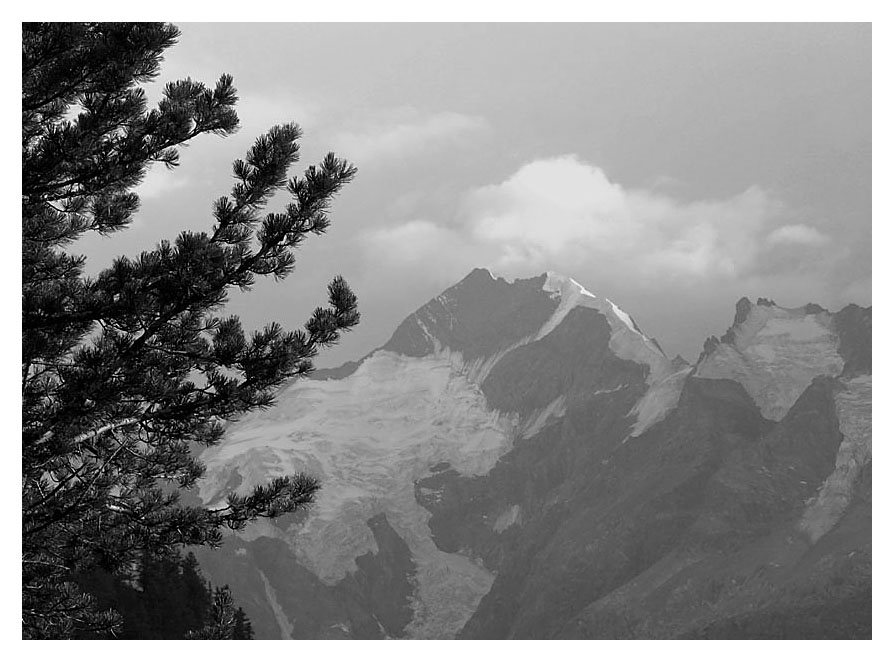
484	315
477	317
627	341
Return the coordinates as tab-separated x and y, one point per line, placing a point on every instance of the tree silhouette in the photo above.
124	373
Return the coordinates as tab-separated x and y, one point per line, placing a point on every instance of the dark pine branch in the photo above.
123	373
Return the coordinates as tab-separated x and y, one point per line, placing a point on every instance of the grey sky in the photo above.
673	168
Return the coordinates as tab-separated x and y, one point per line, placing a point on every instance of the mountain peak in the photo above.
774	352
484	315
627	340
478	274
479	316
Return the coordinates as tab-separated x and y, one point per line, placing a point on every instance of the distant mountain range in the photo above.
520	460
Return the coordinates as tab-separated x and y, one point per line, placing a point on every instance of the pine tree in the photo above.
242	629
222	622
125	372
195	595
169	600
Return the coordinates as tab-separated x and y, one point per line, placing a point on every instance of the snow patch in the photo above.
508	518
537	422
775	354
433	340
853	405
285	626
608	391
431	495
478	369
624	317
659	399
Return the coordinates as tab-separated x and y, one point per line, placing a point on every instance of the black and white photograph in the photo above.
482	330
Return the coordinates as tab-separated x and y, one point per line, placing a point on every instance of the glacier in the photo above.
775	353
369	437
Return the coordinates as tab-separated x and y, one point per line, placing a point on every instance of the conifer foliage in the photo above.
168	600
125	372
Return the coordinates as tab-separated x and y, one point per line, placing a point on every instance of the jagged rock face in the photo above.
520	460
477	317
853	326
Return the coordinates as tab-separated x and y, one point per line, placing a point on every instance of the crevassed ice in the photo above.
369	437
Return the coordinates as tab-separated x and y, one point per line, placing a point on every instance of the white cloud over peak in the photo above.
567	215
563	209
567	212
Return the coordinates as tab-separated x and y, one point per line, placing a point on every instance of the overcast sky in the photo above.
672	168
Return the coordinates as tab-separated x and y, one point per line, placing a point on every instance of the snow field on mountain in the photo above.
775	355
853	405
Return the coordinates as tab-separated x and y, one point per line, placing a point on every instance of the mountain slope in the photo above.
520	460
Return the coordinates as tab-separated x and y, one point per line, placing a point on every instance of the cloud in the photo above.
422	251
406	241
259	112
161	181
404	132
857	291
802	235
565	211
